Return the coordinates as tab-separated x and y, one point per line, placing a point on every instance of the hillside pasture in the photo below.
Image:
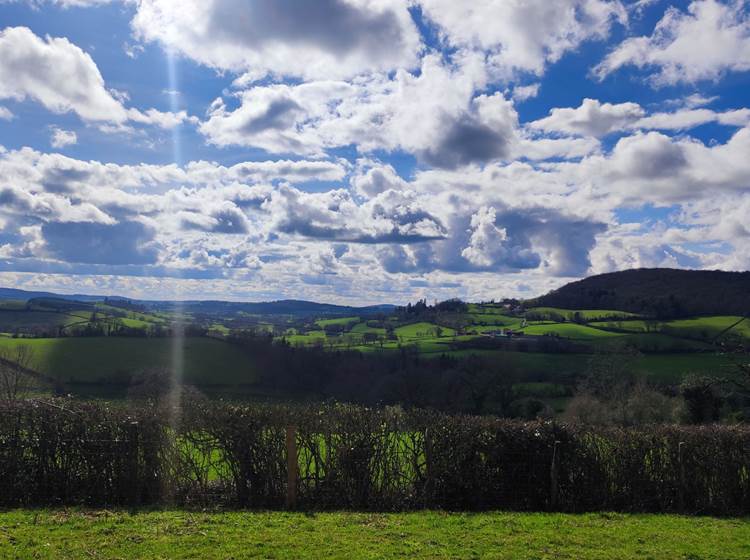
134	323
362	328
114	311
422	330
482	329
492	319
49	315
699	327
207	361
633	326
584	314
709	327
308	338
568	330
343	321
12	320
12	304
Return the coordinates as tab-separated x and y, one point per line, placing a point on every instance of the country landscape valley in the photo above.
438	279
661	336
546	404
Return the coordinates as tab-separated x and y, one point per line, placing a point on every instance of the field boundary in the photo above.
208	453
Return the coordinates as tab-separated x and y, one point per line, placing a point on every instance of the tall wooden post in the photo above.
428	463
554	473
681	465
292	467
133	464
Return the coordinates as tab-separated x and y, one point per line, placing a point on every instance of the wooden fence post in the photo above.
292	467
428	463
681	465
554	474
134	464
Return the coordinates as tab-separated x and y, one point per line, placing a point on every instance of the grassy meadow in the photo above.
73	534
207	361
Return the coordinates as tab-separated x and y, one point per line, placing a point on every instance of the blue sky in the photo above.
368	151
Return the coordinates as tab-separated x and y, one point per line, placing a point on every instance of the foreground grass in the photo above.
179	534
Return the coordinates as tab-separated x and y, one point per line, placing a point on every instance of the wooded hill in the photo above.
659	292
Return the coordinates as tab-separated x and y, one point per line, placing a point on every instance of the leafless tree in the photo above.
16	363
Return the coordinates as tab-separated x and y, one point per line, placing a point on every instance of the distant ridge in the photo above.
660	292
23	295
281	307
284	307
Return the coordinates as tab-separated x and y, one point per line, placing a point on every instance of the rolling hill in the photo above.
658	292
209	307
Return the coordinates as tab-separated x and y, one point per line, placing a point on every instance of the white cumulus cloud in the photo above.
702	43
63	78
61	138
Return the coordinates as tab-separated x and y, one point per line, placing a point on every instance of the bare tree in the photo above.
15	368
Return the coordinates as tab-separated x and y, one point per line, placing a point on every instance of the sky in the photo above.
369	151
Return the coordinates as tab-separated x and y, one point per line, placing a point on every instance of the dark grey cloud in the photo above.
332	25
10	199
649	156
570	241
528	234
347	234
278	115
94	243
419	258
59	179
230	221
662	163
406	215
36	265
467	141
227	220
517	249
333	217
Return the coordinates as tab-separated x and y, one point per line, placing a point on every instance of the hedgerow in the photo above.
213	453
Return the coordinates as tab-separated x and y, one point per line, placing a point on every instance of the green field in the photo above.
71	534
679	337
207	361
585	314
422	330
11	319
306	339
363	328
12	304
699	327
569	330
493	319
703	327
322	323
46	315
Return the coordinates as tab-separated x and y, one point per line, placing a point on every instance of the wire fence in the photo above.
336	456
